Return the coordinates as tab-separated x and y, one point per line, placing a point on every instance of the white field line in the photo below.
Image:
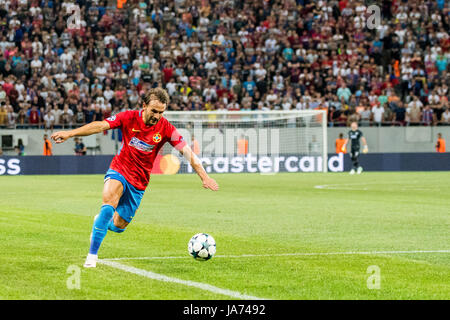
161	277
285	254
364	186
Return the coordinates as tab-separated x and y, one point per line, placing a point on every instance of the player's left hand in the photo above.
209	183
366	149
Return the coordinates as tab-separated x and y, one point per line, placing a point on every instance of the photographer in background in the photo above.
20	148
80	148
440	144
47	146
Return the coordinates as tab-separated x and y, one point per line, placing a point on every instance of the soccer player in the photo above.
144	132
355	135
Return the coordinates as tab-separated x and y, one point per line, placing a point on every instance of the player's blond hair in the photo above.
156	94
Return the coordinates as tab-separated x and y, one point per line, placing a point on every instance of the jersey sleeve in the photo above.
116	121
175	138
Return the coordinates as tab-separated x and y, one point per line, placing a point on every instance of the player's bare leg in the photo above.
112	191
119	222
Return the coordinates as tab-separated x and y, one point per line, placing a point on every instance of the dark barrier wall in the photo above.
286	163
402	162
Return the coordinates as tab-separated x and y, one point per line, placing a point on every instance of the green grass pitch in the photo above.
45	223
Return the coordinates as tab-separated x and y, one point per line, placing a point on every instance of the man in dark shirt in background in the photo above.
80	148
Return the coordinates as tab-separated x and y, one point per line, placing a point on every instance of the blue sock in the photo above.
101	227
112	227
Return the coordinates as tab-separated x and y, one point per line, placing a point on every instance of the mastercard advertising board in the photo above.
166	164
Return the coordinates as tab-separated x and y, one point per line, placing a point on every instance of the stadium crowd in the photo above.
56	69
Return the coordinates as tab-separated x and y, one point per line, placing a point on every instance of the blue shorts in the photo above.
131	197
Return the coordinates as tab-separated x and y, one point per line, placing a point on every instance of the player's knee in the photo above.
119	222
110	199
112	191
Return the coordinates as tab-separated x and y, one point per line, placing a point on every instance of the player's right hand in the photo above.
60	136
210	183
343	149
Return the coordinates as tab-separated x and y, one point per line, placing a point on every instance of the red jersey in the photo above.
140	145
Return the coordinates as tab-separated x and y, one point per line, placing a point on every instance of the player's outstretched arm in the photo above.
208	182
86	130
364	141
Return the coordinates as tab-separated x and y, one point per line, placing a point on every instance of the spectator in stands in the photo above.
49	120
34	115
365	115
21	116
352	117
185	50
2	95
344	92
414	113
66	116
389	116
400	114
90	113
3	114
378	114
445	117
79	115
98	113
12	117
250	85
428	117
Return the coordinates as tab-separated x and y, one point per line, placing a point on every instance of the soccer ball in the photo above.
202	247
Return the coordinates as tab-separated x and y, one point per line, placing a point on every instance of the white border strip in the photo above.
286	254
161	277
364	186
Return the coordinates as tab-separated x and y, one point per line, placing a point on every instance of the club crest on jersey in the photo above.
141	145
156	137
